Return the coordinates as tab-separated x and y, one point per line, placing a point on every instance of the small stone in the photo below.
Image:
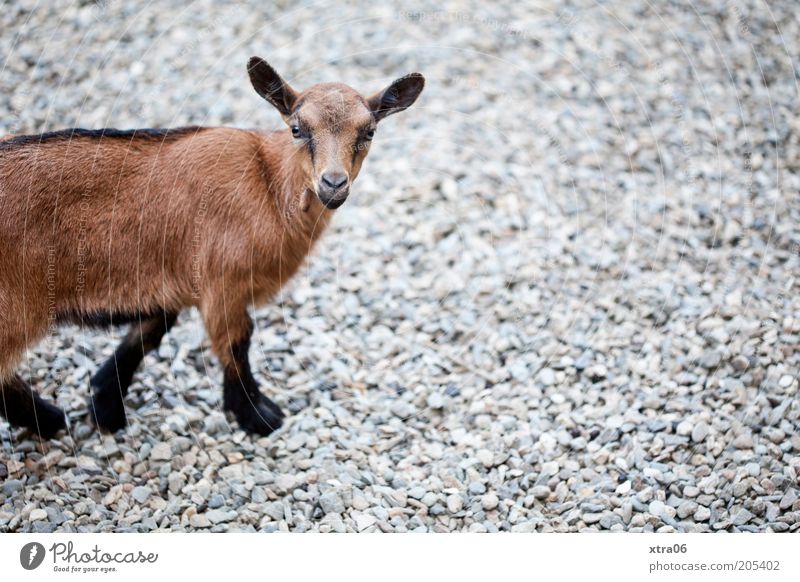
657	508
285	483
454	503
740	363
435	401
592	517
489	501
12	486
141	494
199	520
476	488
486	457
38	515
550	468
597	372
402	409
687	508
331	502
742	517
416	492
711	359
216	501
753	468
700	432
161	452
743	441
788	499
741	488
429	498
541	492
546	377
623	488
627	511
296	442
691	491
785	381
364	521
359	502
216	516
702	514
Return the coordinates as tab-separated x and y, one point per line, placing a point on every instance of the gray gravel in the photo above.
563	297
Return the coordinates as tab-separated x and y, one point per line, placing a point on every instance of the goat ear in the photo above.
397	97
270	86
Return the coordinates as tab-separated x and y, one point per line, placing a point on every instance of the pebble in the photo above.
702	514
141	494
489	501
687	508
742	517
485	457
541	492
743	441
216	516
657	508
700	432
454	503
788	499
364	522
331	502
435	401
216	501
161	452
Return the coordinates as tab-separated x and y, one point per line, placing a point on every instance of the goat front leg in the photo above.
110	384
230	331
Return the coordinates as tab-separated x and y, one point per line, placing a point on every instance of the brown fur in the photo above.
129	225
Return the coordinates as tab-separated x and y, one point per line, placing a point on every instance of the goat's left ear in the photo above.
270	86
397	97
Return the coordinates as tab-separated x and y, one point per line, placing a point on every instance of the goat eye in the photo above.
296	133
370	134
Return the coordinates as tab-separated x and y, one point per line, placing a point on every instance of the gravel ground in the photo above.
563	297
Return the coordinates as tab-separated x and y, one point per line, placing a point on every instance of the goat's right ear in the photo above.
270	86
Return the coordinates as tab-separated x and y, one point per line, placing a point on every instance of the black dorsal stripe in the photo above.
148	134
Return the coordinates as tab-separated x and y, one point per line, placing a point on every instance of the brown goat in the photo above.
110	227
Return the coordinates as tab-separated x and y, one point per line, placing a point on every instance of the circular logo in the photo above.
31	555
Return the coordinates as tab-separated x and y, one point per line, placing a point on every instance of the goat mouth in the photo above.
334	203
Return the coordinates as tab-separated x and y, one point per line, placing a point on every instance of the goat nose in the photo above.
334	180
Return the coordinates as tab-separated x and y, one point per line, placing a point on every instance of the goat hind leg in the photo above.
22	406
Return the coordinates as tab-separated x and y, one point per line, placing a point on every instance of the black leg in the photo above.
110	384
254	412
22	406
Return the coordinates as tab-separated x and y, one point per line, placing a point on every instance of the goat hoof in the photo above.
49	419
261	418
107	412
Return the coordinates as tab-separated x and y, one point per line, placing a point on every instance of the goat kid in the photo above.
112	227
